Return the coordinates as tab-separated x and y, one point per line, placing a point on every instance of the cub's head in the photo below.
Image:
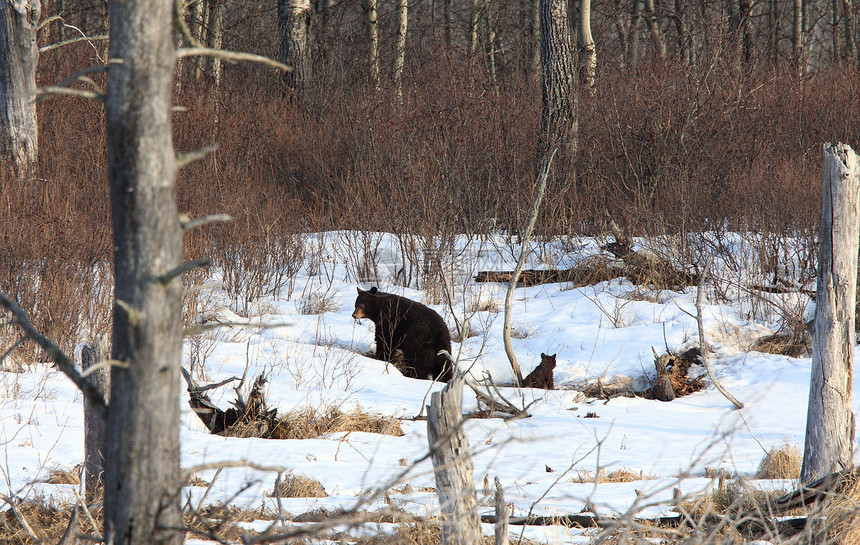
548	361
366	304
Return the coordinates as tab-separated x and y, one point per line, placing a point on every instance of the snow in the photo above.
607	331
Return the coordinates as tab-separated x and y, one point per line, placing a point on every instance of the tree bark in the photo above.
453	467
94	423
558	98
293	27
142	476
19	54
830	422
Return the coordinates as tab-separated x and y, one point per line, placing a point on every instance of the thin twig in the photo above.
703	347
185	159
189	224
73	41
230	56
512	286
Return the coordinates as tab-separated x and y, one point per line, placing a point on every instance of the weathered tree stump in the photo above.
452	466
830	421
95	426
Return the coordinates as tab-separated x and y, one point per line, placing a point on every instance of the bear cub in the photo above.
541	377
408	334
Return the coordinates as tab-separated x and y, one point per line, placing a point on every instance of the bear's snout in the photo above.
358	314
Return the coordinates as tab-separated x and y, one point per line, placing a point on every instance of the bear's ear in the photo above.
542	355
373	290
358	290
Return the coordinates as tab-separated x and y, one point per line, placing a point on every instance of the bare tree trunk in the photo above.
850	38
830	422
453	467
501	515
142	477
654	27
214	38
797	39
293	27
19	54
446	21
534	59
622	30
492	41
588	72
635	20
400	49
774	17
474	19
94	423
684	38
371	18
558	98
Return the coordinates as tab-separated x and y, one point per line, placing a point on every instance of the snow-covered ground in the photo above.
607	331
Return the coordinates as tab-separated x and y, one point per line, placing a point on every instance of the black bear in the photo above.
541	377
408	334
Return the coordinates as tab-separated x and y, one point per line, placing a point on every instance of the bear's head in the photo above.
548	361
366	304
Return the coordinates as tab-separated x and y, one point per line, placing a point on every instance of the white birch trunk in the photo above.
830	422
400	49
453	467
586	44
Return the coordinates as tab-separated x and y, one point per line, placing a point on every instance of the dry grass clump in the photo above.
483	306
794	345
194	480
64	476
842	515
311	422
622	475
219	522
780	463
20	523
297	486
